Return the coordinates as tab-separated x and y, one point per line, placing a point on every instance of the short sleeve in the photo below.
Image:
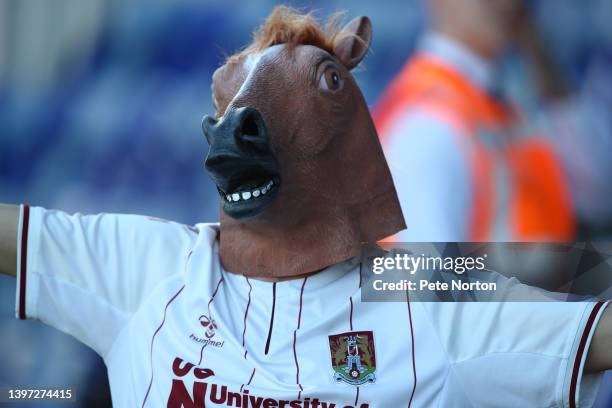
527	354
87	274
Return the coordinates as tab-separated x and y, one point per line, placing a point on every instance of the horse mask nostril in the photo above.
208	123
251	126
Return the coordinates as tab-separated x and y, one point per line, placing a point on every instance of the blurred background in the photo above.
101	104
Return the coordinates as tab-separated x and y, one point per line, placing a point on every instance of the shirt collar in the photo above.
476	68
318	280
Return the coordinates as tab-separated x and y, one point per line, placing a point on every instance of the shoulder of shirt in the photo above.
208	233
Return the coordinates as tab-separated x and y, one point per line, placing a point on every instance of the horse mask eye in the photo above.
302	179
330	79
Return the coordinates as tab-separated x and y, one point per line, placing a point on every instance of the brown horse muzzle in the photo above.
241	162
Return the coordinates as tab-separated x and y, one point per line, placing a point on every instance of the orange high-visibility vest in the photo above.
532	202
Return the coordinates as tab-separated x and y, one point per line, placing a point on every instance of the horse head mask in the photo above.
300	172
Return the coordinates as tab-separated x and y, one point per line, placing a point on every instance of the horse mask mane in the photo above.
301	175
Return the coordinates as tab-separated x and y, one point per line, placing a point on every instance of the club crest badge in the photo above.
353	358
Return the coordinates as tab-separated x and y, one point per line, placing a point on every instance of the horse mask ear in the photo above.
354	41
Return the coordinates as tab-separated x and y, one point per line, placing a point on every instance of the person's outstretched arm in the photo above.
9	221
74	269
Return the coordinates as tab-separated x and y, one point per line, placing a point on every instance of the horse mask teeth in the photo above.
302	179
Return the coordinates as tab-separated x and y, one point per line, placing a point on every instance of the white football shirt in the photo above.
176	330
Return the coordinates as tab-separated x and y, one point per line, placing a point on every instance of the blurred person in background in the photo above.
469	166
